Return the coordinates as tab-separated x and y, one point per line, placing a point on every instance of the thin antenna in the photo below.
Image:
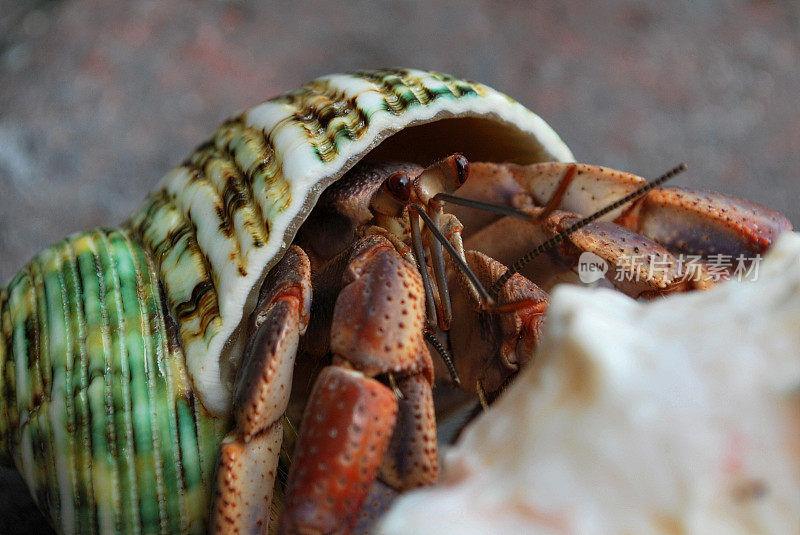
448	360
419	252
483	205
453	253
558	238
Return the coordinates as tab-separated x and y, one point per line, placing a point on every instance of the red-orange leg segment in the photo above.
346	428
348	423
249	453
704	222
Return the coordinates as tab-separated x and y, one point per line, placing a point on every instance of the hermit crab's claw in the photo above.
354	428
493	344
346	428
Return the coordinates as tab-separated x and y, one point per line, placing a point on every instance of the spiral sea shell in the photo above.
118	346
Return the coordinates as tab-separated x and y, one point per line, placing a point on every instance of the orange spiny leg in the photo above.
680	219
660	226
578	188
645	252
376	330
249	453
636	264
701	222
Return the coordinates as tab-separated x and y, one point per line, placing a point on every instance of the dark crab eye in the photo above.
399	186
462	168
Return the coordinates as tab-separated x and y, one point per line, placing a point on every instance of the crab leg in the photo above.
346	428
588	189
700	222
636	265
411	458
682	220
349	421
249	453
654	229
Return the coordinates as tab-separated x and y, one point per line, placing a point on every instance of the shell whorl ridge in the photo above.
96	406
114	342
220	221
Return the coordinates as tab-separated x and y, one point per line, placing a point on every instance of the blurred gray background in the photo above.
99	99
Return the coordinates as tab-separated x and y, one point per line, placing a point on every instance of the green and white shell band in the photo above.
217	223
96	406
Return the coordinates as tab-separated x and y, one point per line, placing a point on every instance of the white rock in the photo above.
676	416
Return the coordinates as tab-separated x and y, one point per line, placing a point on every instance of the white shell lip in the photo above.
307	176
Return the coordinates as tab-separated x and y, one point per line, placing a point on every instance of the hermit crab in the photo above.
314	253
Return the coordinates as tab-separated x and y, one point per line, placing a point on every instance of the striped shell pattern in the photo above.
118	346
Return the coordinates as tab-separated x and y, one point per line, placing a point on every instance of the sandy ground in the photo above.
99	99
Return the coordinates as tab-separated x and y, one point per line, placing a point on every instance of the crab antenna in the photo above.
419	252
453	253
448	360
558	238
445	309
482	205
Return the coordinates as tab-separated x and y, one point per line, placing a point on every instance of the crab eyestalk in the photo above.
444	176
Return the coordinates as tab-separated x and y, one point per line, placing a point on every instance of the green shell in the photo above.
96	405
118	347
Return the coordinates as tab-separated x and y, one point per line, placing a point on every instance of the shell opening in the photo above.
483	137
478	138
